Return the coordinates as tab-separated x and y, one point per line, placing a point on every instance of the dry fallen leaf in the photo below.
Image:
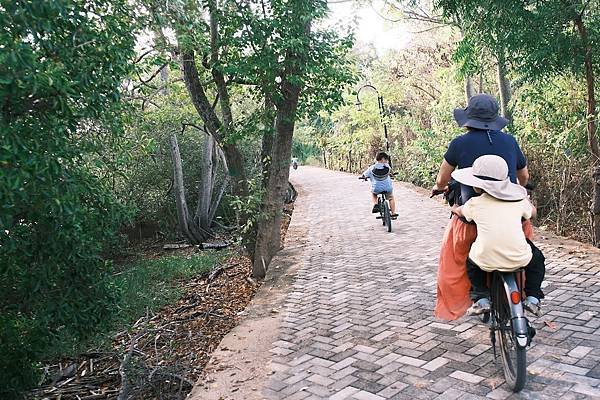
550	325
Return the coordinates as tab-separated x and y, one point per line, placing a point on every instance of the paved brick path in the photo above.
358	322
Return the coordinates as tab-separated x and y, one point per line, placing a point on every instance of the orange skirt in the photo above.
453	284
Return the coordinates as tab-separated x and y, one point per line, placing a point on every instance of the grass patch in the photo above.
150	284
139	287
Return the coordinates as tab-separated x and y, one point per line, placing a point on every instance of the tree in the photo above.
311	68
267	49
61	68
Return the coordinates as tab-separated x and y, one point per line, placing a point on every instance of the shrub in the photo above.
61	67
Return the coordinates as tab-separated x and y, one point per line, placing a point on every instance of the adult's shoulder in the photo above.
459	138
457	142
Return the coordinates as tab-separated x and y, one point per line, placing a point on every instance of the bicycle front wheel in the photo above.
514	361
514	357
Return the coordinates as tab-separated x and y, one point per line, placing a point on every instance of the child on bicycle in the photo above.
379	175
501	244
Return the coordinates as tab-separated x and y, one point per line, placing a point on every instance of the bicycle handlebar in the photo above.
435	192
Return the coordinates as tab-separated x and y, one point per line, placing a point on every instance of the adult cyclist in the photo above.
483	136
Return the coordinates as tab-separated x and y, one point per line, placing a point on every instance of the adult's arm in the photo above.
523	176
522	171
444	175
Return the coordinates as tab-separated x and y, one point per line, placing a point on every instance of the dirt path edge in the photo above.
241	365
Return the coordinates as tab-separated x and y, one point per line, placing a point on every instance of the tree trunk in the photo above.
268	238
206	184
469	91
204	108
217	199
186	225
591	126
267	140
503	85
235	158
198	95
164	80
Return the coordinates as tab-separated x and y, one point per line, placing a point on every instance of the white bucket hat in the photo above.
490	173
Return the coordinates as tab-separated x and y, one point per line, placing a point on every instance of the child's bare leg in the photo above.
374	198
393	206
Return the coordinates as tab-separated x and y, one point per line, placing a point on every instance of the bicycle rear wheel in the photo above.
387	216
381	203
514	357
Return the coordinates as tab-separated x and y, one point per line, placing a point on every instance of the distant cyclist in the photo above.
379	175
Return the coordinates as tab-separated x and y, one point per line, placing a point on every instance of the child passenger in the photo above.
501	244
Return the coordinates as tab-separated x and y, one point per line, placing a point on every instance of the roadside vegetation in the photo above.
126	125
152	121
541	61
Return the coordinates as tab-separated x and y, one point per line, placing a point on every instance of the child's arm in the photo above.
530	211
465	211
533	210
457	210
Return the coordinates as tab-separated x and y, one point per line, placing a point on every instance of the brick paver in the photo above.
358	323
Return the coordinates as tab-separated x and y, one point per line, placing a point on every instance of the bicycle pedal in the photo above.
380	217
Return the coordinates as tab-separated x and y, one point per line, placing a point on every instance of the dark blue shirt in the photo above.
465	149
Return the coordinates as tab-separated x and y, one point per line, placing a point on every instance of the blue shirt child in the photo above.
379	175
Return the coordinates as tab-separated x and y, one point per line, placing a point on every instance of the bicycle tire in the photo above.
514	358
387	216
381	209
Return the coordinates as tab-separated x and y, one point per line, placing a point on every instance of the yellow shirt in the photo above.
500	243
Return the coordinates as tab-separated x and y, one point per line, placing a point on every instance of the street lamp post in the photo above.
381	112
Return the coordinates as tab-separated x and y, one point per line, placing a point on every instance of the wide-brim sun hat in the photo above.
481	113
381	171
490	173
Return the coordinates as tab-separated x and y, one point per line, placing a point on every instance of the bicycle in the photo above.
507	321
509	325
385	214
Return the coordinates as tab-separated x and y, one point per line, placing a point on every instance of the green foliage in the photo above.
540	38
424	83
147	180
250	205
61	66
151	283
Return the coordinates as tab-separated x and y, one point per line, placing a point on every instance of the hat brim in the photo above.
460	115
502	190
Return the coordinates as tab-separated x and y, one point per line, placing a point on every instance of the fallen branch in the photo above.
175	246
125	387
215	246
158	372
215	272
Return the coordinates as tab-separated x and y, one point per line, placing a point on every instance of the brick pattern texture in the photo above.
358	322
